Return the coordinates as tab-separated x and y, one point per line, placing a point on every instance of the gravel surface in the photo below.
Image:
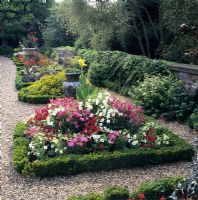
16	187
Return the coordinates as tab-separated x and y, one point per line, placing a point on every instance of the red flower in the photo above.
34	39
41	114
162	198
150	136
141	196
21	58
90	126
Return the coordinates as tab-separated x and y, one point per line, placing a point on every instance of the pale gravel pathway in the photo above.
16	187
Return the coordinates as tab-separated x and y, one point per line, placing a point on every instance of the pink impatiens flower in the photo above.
78	141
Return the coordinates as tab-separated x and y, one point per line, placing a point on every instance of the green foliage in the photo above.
20	157
85	89
54	34
152	191
8	51
19	80
123	69
72	70
193	119
157	189
48	87
92	196
73	164
179	19
18	16
183	48
116	193
164	95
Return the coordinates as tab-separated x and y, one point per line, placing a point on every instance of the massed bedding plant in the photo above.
36	66
100	123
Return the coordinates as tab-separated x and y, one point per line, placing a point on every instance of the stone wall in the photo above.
64	55
188	74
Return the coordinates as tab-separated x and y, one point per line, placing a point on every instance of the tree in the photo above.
54	34
19	15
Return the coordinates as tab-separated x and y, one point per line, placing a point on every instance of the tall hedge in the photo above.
120	71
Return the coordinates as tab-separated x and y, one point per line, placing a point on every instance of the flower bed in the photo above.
19	81
32	68
150	191
41	91
101	133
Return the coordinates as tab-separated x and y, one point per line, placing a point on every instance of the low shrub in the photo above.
49	86
6	50
164	95
92	196
71	70
152	191
116	193
193	119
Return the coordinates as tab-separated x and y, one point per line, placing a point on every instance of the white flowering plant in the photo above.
100	123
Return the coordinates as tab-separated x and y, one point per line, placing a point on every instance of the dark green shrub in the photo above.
164	95
7	51
92	196
48	87
71	70
124	69
193	119
182	49
116	193
154	191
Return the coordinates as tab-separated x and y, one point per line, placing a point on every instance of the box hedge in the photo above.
74	164
123	69
35	99
152	191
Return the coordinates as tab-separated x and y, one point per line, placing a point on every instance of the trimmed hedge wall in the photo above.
35	99
120	71
152	191
74	164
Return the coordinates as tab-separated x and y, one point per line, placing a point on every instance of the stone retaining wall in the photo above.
188	74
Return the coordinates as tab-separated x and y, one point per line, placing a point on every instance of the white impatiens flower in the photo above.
102	120
135	142
90	107
61	151
167	142
96	137
134	137
97	101
165	137
100	114
61	109
158	143
102	140
49	122
108	121
45	147
100	124
31	145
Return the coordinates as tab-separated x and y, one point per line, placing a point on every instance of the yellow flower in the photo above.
82	62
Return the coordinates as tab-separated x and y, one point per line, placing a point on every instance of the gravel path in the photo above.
16	187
